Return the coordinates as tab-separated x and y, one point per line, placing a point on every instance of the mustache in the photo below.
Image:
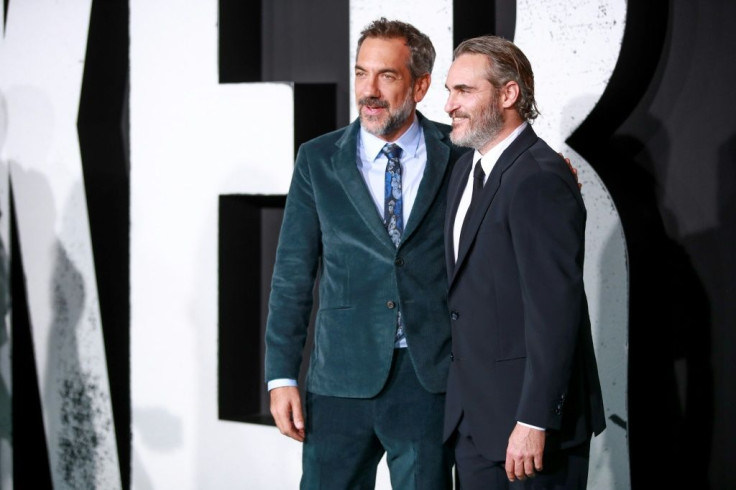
459	113
373	102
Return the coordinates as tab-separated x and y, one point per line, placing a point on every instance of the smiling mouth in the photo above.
373	105
372	109
458	114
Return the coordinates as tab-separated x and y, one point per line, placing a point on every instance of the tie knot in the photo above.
478	172
392	151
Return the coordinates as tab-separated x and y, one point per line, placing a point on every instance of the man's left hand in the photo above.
524	452
572	169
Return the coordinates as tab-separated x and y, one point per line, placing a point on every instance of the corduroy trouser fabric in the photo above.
347	437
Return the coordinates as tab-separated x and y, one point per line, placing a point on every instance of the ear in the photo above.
509	94
421	85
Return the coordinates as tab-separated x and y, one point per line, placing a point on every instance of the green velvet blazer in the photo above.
331	228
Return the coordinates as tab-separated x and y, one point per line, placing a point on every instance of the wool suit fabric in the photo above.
521	339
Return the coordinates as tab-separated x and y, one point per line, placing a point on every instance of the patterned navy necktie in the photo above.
393	219
393	204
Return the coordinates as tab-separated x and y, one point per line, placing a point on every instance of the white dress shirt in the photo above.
372	165
487	161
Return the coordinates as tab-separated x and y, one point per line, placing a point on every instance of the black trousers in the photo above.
563	470
347	437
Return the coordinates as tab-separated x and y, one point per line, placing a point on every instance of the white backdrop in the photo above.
193	139
42	59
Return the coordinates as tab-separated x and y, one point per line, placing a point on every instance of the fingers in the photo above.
572	169
538	463
521	468
510	468
524	453
286	408
297	418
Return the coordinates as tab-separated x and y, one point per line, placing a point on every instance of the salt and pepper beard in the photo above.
482	130
395	119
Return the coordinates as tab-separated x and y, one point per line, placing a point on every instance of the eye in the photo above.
359	74
388	76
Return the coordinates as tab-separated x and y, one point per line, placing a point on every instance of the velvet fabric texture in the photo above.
331	226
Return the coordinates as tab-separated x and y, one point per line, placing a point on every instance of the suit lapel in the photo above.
438	158
454	195
345	164
526	139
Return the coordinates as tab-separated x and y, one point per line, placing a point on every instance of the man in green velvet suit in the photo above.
378	369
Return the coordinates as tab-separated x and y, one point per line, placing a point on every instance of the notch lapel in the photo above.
345	164
454	195
526	139
438	159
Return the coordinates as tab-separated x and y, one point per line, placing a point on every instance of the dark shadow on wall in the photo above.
76	392
74	401
715	256
6	420
671	381
6	400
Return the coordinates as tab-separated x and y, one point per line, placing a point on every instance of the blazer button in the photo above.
454	315
390	305
399	262
452	356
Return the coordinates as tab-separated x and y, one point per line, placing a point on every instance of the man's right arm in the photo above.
286	408
290	303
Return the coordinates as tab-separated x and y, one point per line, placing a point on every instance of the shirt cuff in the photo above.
280	383
525	425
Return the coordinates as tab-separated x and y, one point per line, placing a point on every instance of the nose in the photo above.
368	86
451	104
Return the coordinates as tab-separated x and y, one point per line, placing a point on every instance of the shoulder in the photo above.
328	142
540	158
541	171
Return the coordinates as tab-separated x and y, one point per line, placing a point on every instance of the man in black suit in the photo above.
523	393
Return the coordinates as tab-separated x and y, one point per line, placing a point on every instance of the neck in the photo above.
510	124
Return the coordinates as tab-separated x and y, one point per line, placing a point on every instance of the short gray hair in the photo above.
422	53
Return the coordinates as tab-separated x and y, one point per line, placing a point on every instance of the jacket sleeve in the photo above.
297	259
547	225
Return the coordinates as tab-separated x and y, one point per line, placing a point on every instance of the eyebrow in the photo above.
384	70
460	86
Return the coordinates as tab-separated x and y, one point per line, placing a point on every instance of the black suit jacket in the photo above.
521	341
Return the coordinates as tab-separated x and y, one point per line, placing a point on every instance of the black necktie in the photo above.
478	178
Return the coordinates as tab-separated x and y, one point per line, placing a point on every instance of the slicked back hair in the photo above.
506	63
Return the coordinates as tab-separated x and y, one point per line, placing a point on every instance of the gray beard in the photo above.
485	130
393	122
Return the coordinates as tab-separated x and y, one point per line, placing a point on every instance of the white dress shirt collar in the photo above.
409	141
488	160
